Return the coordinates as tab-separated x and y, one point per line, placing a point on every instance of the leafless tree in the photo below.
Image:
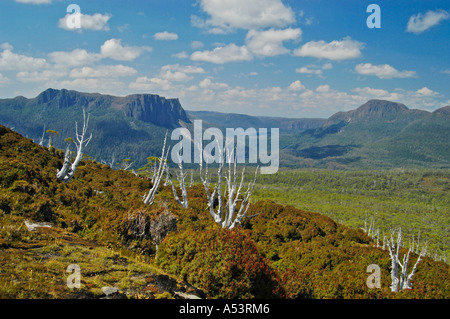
66	173
125	165
404	280
113	161
182	183
228	216
157	175
41	142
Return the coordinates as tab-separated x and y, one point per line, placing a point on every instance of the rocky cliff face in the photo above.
154	109
149	108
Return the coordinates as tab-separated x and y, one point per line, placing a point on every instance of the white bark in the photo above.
113	161
404	280
154	171
150	197
41	142
211	197
371	227
365	224
66	166
182	182
126	164
378	237
68	170
228	216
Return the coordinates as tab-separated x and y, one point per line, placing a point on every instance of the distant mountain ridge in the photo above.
286	125
378	134
378	110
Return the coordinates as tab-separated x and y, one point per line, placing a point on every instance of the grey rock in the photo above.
110	290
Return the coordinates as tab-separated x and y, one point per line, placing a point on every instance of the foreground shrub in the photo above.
226	264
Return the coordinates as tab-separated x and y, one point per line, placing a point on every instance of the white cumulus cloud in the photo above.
179	73
421	22
75	58
150	84
225	54
426	92
103	71
13	61
323	88
226	15
114	49
296	86
383	71
165	35
334	50
270	42
208	84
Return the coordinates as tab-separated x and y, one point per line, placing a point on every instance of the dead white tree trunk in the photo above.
182	181
156	180
404	280
113	161
377	233
66	173
41	142
154	171
126	164
211	197
371	227
245	202
365	224
228	216
66	165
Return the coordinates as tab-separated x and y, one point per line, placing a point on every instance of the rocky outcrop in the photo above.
148	108
153	109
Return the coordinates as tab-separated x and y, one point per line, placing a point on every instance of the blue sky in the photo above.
292	58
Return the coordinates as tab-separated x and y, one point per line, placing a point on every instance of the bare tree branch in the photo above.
68	170
150	197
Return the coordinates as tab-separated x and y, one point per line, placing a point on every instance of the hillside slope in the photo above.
282	252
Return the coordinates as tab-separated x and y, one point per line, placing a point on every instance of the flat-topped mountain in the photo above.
144	107
131	126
